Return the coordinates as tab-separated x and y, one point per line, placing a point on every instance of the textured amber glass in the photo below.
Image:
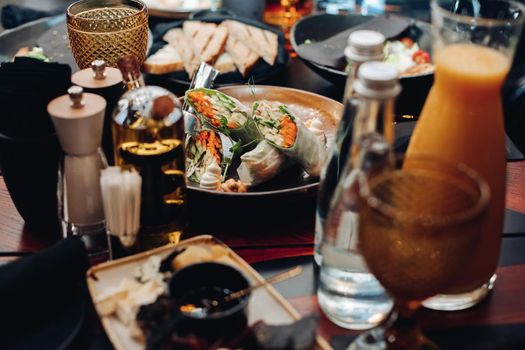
106	30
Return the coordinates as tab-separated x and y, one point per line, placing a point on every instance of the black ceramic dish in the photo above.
322	26
223	323
260	73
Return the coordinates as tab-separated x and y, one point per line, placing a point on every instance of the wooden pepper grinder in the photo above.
78	119
106	82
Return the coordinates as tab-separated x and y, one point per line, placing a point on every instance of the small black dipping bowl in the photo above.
223	324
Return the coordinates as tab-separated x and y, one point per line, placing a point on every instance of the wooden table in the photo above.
290	235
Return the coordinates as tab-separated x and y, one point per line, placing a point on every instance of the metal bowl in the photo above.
307	105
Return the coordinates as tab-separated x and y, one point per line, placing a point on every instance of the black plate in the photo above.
260	73
322	26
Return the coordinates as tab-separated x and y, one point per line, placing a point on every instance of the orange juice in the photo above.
462	120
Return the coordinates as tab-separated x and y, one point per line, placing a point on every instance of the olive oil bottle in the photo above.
148	135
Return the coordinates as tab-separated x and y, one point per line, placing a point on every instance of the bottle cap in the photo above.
377	80
365	45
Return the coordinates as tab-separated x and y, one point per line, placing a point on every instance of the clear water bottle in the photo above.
348	294
363	46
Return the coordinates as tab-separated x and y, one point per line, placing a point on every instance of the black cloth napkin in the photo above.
330	52
28	85
37	290
14	15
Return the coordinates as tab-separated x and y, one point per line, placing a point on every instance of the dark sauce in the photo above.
205	301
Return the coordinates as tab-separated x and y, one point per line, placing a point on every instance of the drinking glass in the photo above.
106	30
418	224
462	119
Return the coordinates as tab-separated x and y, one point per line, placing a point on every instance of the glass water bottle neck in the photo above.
352	76
373	116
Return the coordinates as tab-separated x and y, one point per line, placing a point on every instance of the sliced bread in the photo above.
267	43
199	35
242	56
165	60
176	38
225	63
263	42
216	45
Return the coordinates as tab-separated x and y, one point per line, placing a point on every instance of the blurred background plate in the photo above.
322	26
179	8
27	35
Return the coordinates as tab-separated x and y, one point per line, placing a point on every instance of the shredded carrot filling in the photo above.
211	142
288	131
232	124
203	106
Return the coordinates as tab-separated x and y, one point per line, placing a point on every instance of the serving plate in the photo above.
320	27
178	8
304	105
265	303
261	72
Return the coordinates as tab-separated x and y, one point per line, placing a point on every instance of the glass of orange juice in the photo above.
462	120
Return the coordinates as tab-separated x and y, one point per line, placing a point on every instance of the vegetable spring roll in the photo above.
202	148
288	134
261	164
224	114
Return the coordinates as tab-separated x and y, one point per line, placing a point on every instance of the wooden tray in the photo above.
265	303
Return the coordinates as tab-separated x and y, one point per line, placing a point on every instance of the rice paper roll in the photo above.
202	148
225	114
288	134
261	164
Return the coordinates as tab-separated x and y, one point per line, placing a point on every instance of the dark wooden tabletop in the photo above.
287	239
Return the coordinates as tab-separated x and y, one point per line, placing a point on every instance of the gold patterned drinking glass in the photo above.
106	30
418	225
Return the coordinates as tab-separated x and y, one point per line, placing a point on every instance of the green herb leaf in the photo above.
255	106
283	109
251	83
226	161
236	148
223	120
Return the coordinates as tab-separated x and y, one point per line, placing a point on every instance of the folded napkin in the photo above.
27	87
36	290
330	52
14	15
